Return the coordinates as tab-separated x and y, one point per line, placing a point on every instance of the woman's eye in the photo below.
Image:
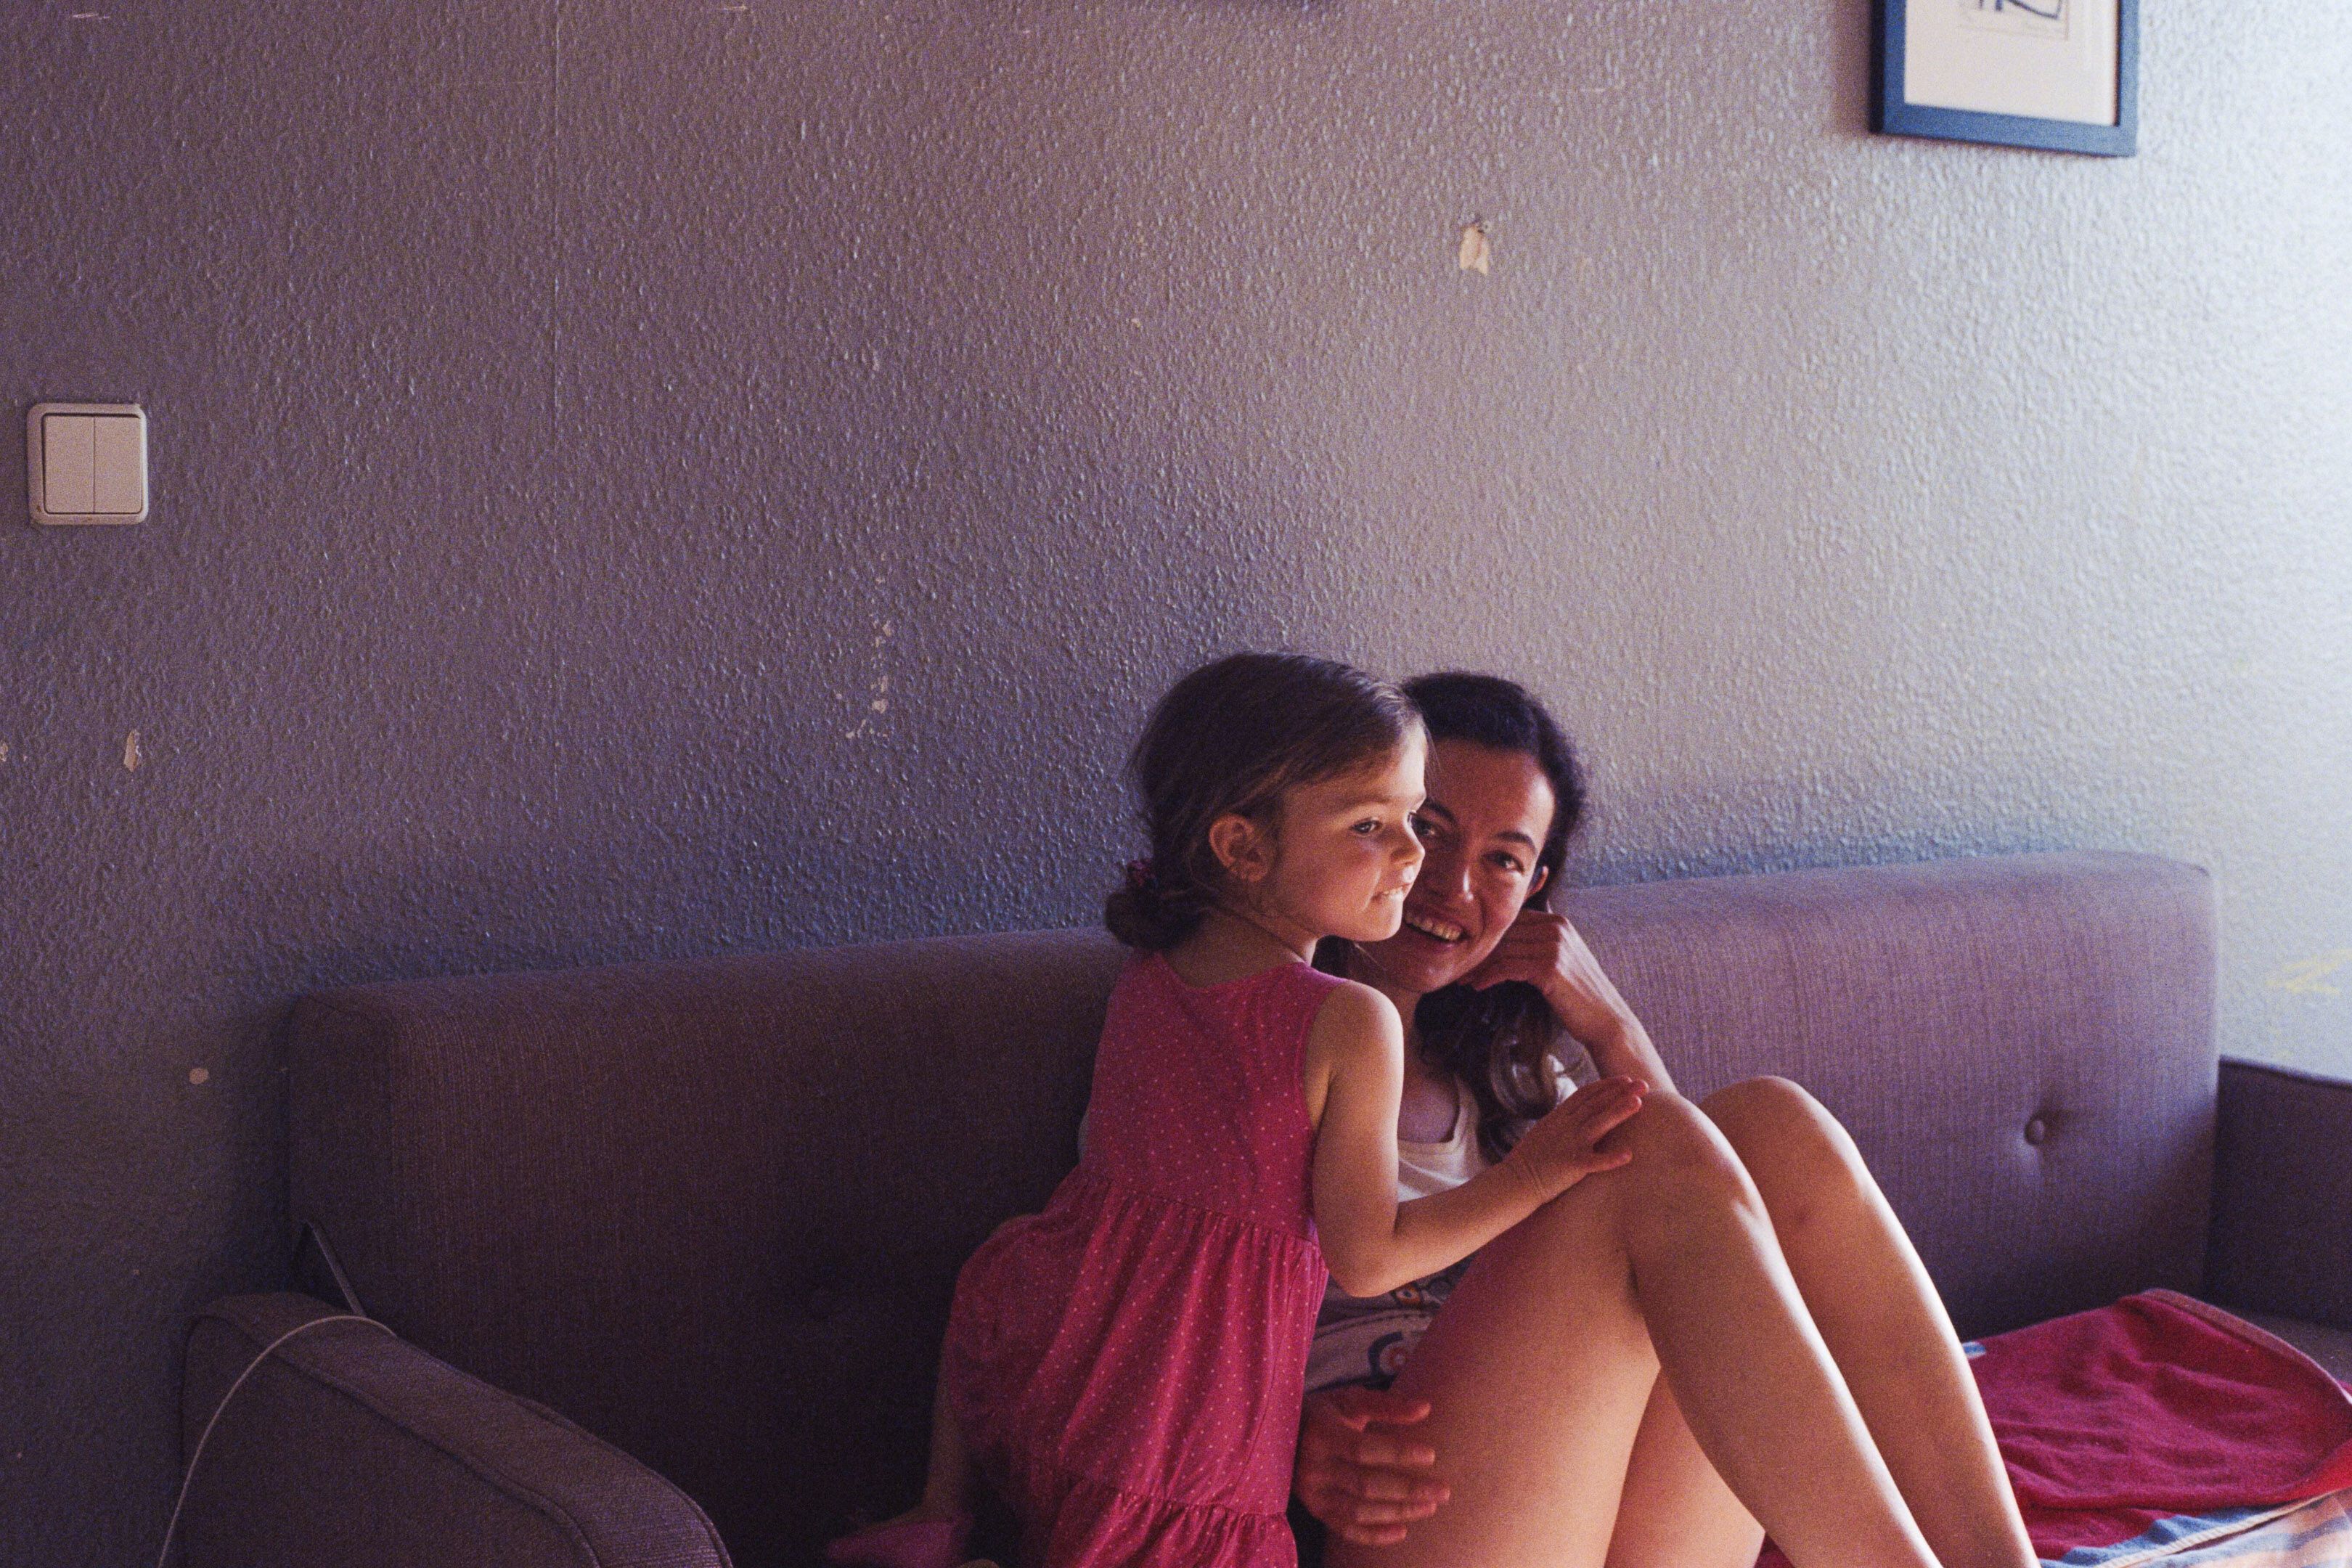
1366	829
1509	863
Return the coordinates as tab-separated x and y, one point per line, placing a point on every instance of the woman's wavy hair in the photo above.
1229	738
1497	1040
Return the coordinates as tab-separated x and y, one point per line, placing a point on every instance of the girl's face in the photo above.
1482	826
1342	853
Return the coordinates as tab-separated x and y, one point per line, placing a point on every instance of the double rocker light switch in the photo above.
87	462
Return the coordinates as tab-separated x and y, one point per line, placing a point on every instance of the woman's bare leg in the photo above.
1879	1314
1677	1511
1541	1365
1537	1369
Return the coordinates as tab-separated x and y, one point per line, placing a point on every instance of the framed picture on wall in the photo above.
2061	74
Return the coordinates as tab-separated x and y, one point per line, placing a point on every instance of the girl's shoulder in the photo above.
1349	1016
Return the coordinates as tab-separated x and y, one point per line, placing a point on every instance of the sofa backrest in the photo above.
713	1209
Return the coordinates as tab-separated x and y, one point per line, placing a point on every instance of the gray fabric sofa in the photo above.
668	1247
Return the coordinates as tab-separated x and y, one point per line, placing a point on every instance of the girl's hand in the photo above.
1559	1150
1549	954
1356	1474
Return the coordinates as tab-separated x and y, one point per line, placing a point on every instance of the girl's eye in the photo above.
1509	863
1366	829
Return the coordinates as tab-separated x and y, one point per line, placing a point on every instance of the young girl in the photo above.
1126	1367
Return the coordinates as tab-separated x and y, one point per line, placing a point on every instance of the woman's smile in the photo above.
1481	829
1433	926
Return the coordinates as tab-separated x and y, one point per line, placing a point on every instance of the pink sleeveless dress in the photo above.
1128	1365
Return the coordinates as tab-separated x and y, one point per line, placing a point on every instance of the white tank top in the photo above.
1365	1339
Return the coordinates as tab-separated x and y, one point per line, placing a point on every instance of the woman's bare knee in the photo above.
1677	1140
1798	1156
1769	1108
1682	1162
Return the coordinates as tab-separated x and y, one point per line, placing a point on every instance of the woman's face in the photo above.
1482	826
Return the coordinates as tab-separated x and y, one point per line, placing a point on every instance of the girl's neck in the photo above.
1230	945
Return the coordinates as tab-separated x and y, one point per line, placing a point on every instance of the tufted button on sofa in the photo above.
668	1246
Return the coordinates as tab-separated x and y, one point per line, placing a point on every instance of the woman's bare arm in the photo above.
1550	953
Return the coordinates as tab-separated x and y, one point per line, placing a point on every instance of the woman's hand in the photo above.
1356	1474
1559	1150
1549	954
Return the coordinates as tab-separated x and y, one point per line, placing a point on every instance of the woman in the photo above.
1731	1328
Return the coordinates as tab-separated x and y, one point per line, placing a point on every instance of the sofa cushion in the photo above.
711	1210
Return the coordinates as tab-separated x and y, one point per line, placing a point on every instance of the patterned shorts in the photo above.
1366	1339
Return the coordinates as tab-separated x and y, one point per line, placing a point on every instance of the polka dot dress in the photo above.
1128	1366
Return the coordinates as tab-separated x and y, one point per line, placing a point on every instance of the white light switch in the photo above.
87	462
119	463
69	462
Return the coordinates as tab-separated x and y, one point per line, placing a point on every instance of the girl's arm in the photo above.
1355	1072
1550	953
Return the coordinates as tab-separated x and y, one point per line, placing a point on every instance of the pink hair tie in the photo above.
1141	876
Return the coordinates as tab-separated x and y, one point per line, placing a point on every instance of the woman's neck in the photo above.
1365	971
1426	1111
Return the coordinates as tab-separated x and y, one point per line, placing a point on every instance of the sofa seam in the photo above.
499	1479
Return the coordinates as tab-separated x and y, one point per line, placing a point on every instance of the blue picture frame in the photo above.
1890	114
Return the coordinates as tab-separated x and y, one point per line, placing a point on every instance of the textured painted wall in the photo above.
640	479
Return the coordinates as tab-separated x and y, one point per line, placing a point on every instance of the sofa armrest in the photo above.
352	1449
2281	1236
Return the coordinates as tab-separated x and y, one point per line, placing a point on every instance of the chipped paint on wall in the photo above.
877	693
1476	253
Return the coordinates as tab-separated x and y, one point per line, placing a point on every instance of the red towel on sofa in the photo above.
2160	1403
2151	1409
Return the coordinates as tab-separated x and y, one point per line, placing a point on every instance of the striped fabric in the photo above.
2313	1534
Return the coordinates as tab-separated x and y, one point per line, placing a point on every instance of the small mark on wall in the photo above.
132	755
4	754
1477	252
878	700
199	1076
2310	976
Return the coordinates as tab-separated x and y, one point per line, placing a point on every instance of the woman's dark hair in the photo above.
1497	1040
1228	739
